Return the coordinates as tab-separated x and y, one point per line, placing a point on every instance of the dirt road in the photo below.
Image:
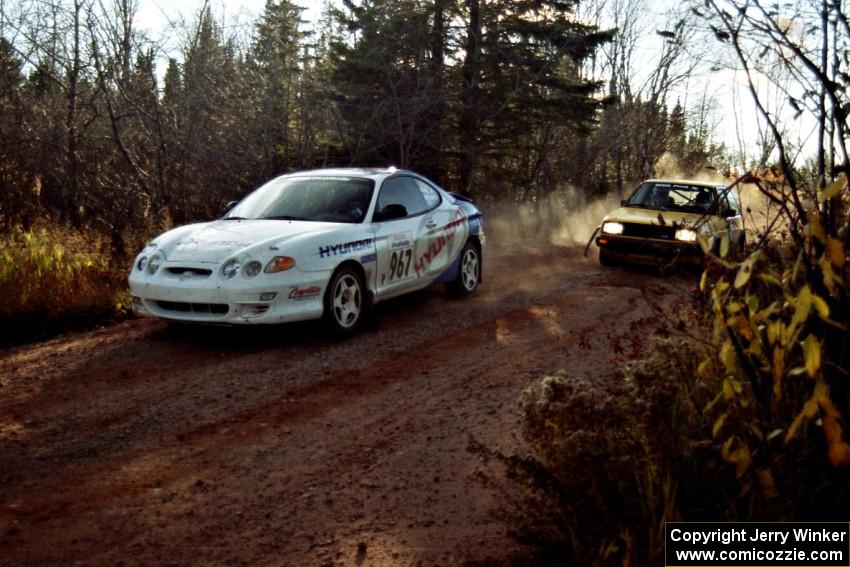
136	445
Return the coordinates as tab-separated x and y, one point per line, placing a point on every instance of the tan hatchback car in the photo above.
662	220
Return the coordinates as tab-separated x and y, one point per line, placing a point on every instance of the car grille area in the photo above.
649	231
190	272
196	308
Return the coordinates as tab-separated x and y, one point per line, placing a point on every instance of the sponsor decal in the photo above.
368	259
305	293
401	240
345	248
438	243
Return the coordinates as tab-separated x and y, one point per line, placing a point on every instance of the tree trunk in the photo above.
470	97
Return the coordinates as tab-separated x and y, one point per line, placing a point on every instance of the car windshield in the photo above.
673	197
325	199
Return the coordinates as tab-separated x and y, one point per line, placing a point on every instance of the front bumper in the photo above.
650	251
180	294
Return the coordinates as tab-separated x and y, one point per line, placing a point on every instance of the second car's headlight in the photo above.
230	268
141	263
154	263
612	228
686	235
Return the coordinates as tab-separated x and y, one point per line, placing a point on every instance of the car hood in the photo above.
651	216
219	240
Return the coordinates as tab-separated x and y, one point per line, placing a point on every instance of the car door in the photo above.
446	230
397	240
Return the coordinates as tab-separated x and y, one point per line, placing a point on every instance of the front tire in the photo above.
469	272
346	302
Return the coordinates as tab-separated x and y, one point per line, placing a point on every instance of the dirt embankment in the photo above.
133	444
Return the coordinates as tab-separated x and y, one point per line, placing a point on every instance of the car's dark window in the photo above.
328	199
402	190
674	197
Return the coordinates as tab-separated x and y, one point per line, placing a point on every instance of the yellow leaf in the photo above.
703	366
820	306
745	271
724	245
734	307
718	425
812	355
803	305
778	371
810	410
703	280
771	279
753	303
830	278
833	189
836	252
724	450
741	458
727	355
814	228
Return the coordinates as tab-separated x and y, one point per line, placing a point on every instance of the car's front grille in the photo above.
184	307
649	231
196	272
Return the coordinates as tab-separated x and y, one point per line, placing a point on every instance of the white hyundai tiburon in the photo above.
324	243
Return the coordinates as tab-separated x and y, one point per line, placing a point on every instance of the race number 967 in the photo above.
400	264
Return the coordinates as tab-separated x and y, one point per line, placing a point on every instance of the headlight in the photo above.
230	268
141	263
279	264
686	235
154	263
612	228
252	268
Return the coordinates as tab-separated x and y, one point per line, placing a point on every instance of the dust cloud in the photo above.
563	218
567	216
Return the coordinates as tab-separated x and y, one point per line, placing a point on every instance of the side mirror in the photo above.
729	213
228	206
624	202
391	212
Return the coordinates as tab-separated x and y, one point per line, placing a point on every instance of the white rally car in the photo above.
315	244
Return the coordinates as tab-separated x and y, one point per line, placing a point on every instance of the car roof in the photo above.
687	182
370	172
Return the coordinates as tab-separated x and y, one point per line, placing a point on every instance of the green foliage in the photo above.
52	280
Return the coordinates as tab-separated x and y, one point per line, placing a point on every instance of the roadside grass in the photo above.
53	279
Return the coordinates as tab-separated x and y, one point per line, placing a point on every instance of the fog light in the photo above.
268	296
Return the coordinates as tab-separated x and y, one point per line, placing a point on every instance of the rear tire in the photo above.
346	303
469	272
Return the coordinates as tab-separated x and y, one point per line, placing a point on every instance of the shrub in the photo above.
55	279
